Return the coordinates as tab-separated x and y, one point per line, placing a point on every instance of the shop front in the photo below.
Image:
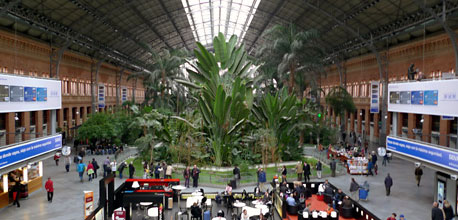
21	167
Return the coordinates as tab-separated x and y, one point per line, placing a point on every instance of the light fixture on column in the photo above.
25	174
5	183
386	116
361	113
16	117
77	113
40	168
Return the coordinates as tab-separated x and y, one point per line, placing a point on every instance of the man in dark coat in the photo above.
131	170
96	167
306	169
195	176
436	212
236	173
388	184
121	169
418	173
333	166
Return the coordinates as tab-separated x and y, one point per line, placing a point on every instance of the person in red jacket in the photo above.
392	217
49	186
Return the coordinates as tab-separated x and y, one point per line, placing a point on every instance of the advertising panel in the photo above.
18	153
123	94
101	96
425	152
375	99
438	97
20	94
440	193
88	203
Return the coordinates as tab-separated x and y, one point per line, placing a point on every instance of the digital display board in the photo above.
21	93
436	97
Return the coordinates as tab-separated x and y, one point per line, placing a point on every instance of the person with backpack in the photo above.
121	169
131	170
319	167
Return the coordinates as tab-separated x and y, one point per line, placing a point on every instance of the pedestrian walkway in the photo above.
68	192
406	198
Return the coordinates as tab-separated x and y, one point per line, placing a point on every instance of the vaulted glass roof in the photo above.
209	17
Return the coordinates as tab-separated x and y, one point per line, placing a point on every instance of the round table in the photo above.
197	193
257	202
218	218
178	188
145	205
239	205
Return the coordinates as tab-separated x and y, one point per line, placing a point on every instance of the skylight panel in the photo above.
209	17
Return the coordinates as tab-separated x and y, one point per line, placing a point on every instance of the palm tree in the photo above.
293	51
164	67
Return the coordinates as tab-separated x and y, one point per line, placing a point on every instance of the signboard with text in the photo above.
439	97
375	97
101	96
21	152
21	94
423	151
123	94
88	203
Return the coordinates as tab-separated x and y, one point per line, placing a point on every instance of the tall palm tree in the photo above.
164	67
293	51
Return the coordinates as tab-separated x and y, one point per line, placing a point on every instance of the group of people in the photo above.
445	213
109	167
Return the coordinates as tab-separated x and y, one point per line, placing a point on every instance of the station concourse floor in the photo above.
406	198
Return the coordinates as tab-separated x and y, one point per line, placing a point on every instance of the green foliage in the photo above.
99	127
224	93
340	100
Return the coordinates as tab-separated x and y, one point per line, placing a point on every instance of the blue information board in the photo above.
428	153
416	98
19	153
30	94
42	94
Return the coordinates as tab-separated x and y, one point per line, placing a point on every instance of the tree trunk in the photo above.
291	79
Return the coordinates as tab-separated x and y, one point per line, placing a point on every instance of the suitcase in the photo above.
170	203
207	215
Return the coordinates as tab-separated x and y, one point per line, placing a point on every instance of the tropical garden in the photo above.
224	107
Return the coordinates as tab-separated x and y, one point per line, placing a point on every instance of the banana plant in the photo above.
225	96
276	113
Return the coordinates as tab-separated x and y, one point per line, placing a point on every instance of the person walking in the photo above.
96	167
436	212
392	217
236	172
16	193
307	171
131	170
113	166
157	171
106	164
81	167
186	175
284	173
195	176
49	186
388	184
168	172
319	167
369	168
257	176
354	187
418	174
90	170
121	169
385	159
333	166
262	179
56	158
68	162
299	170
448	210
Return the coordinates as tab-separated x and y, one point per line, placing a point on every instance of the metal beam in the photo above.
161	2
103	19
31	17
8	5
383	74
147	22
280	5
451	33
